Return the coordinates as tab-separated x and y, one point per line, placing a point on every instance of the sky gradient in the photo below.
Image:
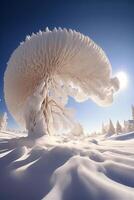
109	23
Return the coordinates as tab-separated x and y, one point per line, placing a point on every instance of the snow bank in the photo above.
125	136
59	168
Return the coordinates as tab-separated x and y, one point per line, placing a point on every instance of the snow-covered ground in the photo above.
68	168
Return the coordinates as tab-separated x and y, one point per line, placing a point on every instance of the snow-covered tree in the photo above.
47	68
103	129
77	130
3	121
128	126
118	128
111	129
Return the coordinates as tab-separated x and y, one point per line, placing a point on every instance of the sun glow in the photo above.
123	79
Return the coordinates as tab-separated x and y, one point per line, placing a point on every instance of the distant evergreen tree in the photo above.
103	129
80	130
111	129
118	128
77	130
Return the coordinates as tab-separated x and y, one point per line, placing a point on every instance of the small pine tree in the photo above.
103	129
130	127
80	130
111	129
118	128
77	130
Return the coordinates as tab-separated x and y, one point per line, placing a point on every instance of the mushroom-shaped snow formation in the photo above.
47	68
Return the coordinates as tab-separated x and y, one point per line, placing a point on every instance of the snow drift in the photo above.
62	168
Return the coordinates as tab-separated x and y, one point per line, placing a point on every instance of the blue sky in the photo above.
109	23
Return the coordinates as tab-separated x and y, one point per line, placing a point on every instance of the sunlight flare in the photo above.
123	79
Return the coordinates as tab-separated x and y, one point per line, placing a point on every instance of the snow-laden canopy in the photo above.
64	63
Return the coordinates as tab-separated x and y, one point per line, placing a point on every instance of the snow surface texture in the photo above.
63	168
69	64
